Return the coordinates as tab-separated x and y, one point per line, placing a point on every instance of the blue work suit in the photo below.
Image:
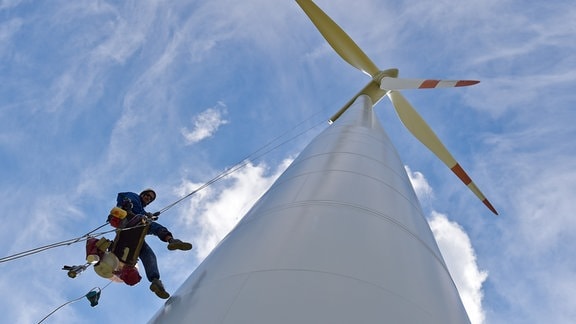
146	255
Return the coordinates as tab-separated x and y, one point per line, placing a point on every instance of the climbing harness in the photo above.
116	260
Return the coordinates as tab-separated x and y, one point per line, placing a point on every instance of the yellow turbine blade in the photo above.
338	39
420	129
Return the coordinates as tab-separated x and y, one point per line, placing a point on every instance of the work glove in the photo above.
154	216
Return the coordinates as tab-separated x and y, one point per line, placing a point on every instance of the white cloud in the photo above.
206	124
212	213
457	251
460	258
419	183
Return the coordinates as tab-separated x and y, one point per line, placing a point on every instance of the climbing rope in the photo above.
254	156
57	244
82	238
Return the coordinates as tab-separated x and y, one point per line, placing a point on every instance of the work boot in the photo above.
176	244
158	288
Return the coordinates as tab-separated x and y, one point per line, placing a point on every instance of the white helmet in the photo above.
148	190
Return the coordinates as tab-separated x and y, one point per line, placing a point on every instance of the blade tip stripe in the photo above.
489	205
464	83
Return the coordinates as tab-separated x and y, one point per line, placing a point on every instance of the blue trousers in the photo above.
147	255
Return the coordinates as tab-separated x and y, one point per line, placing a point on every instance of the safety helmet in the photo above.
148	190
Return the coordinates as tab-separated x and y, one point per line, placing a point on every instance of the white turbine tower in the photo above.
340	237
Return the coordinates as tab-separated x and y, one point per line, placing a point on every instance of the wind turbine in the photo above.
340	237
387	83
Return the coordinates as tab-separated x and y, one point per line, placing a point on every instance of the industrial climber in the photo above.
134	204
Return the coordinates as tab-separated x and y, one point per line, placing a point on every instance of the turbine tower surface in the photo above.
340	237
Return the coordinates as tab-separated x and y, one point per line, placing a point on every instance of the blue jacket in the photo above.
137	207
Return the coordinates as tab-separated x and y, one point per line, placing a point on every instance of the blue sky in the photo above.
98	97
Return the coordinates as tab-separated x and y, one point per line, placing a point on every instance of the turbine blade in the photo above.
338	39
388	83
420	129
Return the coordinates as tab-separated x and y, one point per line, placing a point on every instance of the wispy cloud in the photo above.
95	97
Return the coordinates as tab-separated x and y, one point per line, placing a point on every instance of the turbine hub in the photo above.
390	73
